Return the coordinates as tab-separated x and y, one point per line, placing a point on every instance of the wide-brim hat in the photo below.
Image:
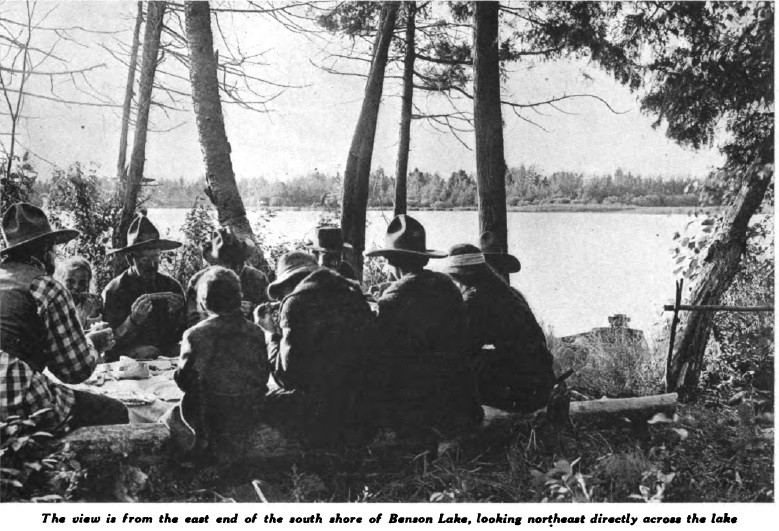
290	265
226	248
144	236
24	224
329	240
465	258
406	236
496	255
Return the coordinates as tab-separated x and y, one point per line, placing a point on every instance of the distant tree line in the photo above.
524	186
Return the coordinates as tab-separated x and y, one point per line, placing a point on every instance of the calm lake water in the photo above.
577	268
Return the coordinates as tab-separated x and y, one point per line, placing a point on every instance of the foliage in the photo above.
18	186
197	230
29	471
612	365
562	484
77	199
524	185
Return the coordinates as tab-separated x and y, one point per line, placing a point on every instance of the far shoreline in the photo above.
546	208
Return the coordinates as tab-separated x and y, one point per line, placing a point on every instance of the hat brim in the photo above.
274	286
55	237
429	253
503	261
149	245
330	249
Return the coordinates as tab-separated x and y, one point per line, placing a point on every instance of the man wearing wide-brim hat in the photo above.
40	330
422	323
329	248
319	335
506	345
228	250
144	306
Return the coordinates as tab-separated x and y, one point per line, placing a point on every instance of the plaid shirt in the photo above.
70	357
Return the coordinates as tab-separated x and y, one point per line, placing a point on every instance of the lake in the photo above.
577	267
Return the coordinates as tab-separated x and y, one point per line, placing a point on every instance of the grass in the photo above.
709	453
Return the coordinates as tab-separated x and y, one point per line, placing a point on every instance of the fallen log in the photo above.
137	444
145	444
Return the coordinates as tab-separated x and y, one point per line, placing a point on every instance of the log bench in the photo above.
148	444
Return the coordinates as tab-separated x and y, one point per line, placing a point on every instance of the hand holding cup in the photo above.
102	337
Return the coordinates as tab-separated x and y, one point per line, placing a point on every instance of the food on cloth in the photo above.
129	369
133	398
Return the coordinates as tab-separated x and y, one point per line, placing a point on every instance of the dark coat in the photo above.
223	371
161	328
425	374
254	286
327	330
325	322
506	344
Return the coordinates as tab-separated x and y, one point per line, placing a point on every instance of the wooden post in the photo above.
674	322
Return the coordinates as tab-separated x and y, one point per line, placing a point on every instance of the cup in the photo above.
102	339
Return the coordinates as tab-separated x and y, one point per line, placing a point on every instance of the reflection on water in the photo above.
577	267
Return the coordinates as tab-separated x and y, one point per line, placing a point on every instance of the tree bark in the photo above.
401	170
358	163
488	122
132	185
121	170
221	188
720	266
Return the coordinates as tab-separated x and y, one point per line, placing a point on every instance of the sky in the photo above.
310	128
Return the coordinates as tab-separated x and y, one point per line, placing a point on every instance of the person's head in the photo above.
75	273
405	246
220	290
42	253
467	264
144	263
227	250
329	246
290	270
144	246
329	259
28	236
404	264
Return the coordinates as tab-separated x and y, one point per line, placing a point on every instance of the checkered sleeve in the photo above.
71	356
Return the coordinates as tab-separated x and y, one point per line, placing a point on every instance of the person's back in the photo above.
329	323
505	343
223	369
319	355
423	312
424	381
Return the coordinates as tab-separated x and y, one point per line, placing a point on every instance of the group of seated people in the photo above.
310	353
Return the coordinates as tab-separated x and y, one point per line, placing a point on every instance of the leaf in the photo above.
683	434
659	418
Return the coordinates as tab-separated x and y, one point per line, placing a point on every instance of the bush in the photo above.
77	200
614	365
18	185
188	259
741	350
28	471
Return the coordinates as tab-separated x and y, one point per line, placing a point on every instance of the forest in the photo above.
524	186
689	418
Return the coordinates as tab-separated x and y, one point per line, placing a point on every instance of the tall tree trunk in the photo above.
488	122
132	186
128	96
722	263
222	189
358	164
401	170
